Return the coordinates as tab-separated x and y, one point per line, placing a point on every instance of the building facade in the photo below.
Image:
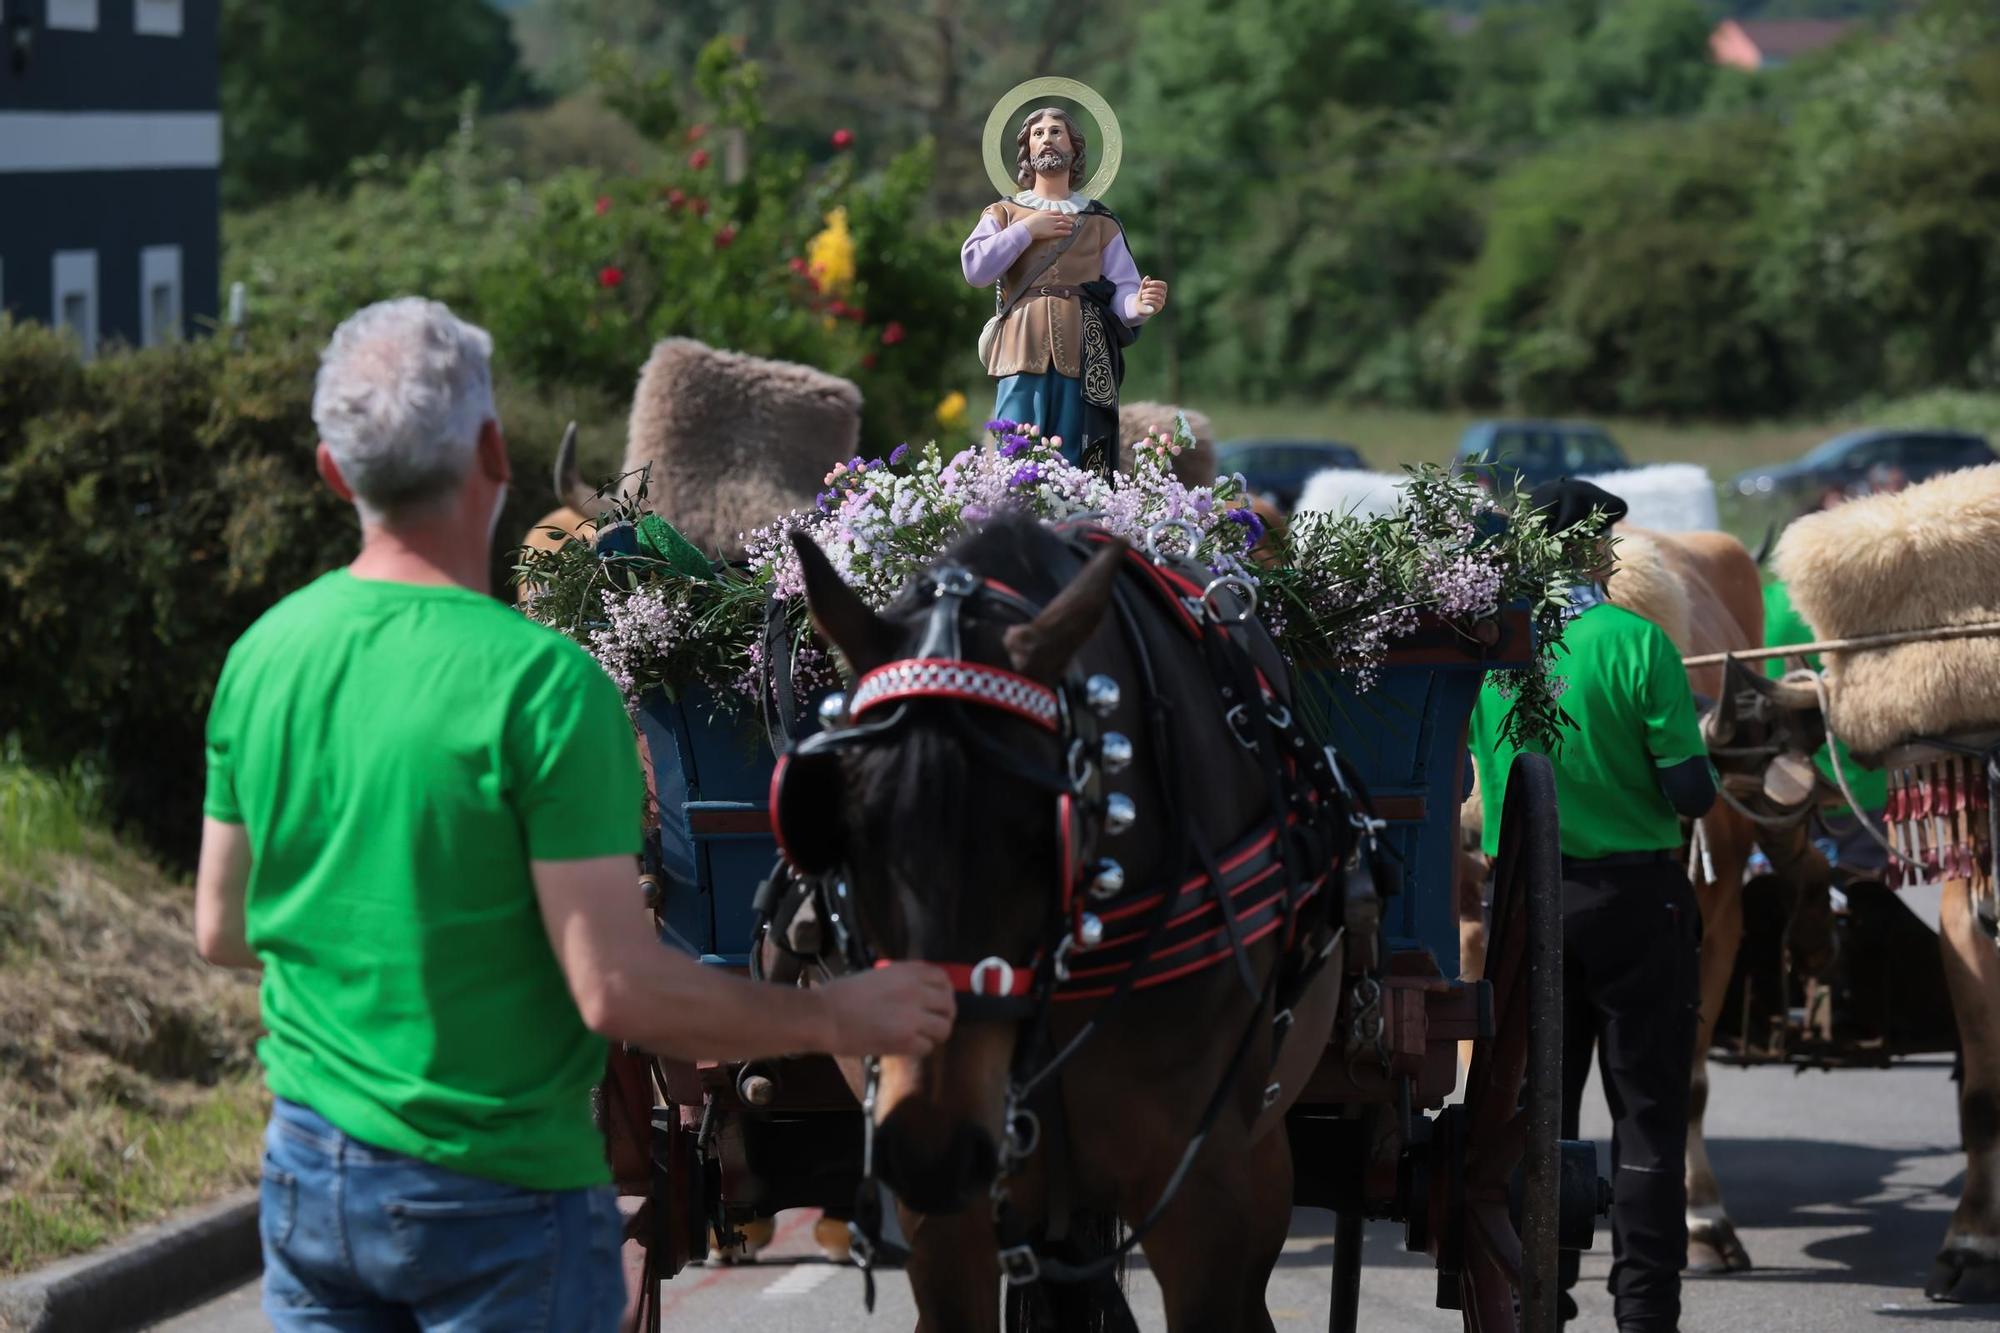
110	152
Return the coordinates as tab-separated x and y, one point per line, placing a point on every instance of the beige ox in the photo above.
1919	560
1704	590
730	442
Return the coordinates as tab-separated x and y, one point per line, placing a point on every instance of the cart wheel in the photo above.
1514	1091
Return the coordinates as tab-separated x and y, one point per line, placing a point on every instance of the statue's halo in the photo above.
1110	152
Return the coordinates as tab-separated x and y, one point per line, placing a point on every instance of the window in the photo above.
76	15
159	294
156	18
75	291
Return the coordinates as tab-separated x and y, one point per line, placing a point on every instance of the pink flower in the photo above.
843	139
610	276
676	198
725	237
696	133
892	333
603	204
698	159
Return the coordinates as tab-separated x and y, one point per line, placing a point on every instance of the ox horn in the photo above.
571	489
1795	691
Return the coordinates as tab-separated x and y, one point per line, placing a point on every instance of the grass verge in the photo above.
127	1083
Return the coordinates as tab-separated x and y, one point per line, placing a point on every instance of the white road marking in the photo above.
799	1281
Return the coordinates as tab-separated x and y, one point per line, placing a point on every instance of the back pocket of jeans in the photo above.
502	1235
277	1205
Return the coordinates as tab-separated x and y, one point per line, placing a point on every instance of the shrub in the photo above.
152	505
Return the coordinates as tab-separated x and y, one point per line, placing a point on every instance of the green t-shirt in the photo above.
1784	625
1628	696
398	755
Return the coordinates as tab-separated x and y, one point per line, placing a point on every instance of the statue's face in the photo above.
1049	148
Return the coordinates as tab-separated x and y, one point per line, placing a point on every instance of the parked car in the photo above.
1280	468
1864	459
1503	454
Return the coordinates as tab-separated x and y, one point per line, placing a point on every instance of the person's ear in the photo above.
329	472
491	452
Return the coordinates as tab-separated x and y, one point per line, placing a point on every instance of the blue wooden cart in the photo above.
1481	1185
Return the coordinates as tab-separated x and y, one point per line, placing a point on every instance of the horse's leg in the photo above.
1968	1267
1214	1250
1713	1246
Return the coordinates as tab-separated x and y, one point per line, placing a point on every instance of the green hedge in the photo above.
152	505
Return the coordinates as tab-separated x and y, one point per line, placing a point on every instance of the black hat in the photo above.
1568	501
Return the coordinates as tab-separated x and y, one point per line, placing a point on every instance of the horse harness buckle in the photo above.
1020	1265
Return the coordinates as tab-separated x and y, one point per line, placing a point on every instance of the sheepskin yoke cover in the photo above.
1921	558
1665	497
735	441
1342	491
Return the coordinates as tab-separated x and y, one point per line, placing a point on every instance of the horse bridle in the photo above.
877	709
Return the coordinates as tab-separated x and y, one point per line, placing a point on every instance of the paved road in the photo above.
1842	1183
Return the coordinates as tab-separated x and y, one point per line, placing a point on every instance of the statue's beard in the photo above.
1051	161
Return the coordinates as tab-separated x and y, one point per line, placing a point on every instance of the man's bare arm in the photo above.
631	988
220	879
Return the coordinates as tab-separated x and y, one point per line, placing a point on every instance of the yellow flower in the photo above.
951	412
830	256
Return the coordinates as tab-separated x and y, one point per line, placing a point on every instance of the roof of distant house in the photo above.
1779	39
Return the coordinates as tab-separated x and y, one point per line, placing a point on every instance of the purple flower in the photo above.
1252	525
1025	475
898	454
1002	426
858	463
1012	445
826	499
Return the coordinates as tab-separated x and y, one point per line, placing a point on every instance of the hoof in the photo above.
833	1240
1964	1279
756	1234
1714	1250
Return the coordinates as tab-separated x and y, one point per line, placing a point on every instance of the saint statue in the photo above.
1068	298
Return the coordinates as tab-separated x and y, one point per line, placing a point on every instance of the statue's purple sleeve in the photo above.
991	248
1123	274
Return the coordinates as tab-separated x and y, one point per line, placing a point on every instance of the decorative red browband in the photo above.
940	678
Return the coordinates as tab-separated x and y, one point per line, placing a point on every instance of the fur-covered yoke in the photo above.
1921	558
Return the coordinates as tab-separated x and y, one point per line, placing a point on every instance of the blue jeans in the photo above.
1053	402
359	1239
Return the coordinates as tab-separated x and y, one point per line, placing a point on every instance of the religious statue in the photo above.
1068	297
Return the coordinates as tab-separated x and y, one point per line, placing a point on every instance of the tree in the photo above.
308	88
1640	58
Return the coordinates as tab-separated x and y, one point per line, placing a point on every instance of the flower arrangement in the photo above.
1335	591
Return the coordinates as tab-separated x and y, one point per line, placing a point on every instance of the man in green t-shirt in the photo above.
1632	769
421	821
1845	842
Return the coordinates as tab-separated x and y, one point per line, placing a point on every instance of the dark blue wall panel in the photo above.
115	213
113	68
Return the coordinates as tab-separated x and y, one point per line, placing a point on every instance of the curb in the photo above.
150	1275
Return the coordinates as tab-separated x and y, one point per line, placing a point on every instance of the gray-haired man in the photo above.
421	817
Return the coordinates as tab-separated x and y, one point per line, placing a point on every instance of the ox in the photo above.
1915	562
727	443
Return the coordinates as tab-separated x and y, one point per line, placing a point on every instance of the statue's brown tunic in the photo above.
1046	332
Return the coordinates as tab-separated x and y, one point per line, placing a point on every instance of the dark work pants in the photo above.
1631	991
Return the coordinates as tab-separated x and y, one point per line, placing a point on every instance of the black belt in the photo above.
1619	859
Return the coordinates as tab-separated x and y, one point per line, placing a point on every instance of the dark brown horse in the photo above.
937	814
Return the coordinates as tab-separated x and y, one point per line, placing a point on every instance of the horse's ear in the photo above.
1042	648
838	613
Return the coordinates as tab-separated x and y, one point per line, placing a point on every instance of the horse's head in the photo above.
950	803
